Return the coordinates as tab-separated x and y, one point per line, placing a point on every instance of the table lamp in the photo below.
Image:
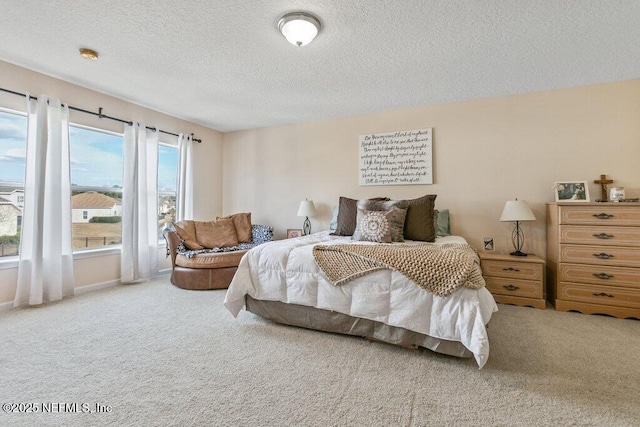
518	211
306	209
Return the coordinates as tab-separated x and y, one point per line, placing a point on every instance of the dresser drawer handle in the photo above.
511	287
603	276
602	255
510	269
602	294
604	236
603	215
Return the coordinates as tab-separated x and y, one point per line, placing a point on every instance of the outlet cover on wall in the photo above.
488	244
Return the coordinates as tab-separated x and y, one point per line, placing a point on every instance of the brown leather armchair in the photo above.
209	270
203	271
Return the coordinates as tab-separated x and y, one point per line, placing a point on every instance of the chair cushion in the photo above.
211	260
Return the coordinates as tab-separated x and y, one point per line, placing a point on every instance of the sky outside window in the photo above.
167	168
13	138
96	157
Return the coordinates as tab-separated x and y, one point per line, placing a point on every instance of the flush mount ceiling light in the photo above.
89	54
299	27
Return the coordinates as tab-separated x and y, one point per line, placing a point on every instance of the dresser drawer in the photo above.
600	255
508	269
600	275
605	295
514	287
600	215
607	236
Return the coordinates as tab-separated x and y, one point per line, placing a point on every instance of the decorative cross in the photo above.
603	182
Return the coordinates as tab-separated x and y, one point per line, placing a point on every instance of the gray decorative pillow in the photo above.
398	208
373	226
347	212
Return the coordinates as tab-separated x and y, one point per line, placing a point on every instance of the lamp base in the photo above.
518	253
306	228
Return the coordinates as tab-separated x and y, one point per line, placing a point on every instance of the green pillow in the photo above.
443	227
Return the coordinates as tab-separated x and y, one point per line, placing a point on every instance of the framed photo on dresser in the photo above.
571	191
293	233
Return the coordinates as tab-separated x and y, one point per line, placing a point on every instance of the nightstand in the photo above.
514	280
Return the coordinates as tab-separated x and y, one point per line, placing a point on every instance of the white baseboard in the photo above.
87	288
6	305
94	287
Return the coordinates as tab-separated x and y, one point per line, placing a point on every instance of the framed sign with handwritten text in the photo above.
397	158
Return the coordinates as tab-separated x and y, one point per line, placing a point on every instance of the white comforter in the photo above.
286	271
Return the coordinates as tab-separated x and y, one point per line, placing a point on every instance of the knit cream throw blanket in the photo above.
439	269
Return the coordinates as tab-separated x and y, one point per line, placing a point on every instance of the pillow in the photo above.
443	227
216	234
187	234
419	223
242	222
261	234
373	226
347	212
334	219
399	208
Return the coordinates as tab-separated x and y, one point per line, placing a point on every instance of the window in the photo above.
96	187
96	184
167	185
13	143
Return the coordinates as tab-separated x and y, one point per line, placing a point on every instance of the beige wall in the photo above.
485	152
208	155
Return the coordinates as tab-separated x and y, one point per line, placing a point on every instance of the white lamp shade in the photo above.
517	210
299	28
307	208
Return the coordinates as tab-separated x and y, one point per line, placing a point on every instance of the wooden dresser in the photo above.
593	258
513	279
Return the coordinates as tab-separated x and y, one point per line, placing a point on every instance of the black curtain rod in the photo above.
100	115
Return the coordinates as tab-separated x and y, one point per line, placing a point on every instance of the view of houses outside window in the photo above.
96	187
96	184
13	140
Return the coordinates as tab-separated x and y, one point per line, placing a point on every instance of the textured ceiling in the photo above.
223	63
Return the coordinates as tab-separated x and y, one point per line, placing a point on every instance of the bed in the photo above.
282	281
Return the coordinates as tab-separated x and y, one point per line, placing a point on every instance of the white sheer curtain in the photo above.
45	269
184	202
139	258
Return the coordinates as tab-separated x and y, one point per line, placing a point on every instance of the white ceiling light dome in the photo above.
299	27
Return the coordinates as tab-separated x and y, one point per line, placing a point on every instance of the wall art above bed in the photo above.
396	158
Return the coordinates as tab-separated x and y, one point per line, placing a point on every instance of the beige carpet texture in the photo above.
155	355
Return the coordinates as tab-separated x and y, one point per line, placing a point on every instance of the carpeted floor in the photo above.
158	355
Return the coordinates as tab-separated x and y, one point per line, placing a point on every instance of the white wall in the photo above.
485	153
208	159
